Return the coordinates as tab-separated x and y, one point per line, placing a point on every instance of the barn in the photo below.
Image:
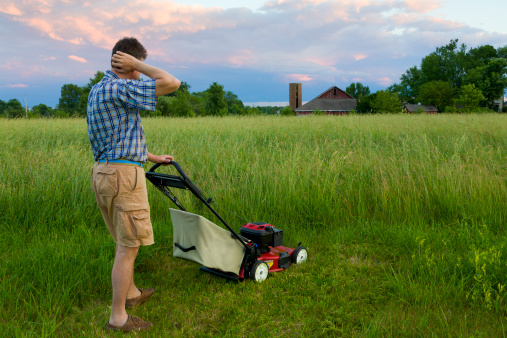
415	108
333	101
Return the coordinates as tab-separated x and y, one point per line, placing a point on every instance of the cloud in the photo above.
423	6
19	85
358	57
299	77
319	42
77	58
10	9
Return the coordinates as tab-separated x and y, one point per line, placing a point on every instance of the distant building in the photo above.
499	104
415	108
295	95
333	101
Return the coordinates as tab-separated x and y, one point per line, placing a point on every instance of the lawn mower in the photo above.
253	253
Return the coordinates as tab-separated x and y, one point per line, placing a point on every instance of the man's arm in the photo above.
165	83
163	159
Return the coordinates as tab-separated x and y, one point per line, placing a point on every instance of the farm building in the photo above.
333	101
415	108
499	104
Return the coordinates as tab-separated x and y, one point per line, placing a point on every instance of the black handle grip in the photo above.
173	163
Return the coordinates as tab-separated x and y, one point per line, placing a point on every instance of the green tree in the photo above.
437	93
404	93
234	104
14	109
215	100
483	66
357	90
410	82
42	110
88	87
386	102
365	105
469	98
164	105
253	111
3	108
490	79
446	63
70	100
181	106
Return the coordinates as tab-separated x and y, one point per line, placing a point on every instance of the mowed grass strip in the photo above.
404	218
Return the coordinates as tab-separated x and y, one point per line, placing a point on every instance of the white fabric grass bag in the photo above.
199	240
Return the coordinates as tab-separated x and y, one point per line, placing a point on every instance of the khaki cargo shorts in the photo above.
120	190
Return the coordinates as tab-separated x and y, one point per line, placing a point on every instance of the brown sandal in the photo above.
136	301
135	324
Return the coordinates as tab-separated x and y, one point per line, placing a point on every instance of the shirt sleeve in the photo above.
138	94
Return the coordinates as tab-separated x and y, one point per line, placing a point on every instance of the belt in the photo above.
121	161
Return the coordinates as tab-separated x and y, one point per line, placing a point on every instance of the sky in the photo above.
254	48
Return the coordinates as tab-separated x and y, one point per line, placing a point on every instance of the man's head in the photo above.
131	46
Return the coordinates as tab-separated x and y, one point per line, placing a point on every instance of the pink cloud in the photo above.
77	58
324	62
242	57
358	57
423	6
19	85
11	9
300	77
41	25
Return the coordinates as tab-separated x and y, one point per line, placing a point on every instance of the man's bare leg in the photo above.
133	290
122	281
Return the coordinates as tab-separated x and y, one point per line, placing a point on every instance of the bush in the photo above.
450	110
287	111
61	113
318	112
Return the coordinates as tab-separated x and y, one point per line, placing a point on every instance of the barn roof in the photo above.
415	107
324	102
329	105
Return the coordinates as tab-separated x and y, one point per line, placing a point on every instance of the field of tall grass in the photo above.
404	218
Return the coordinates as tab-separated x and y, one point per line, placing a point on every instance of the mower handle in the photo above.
193	188
174	163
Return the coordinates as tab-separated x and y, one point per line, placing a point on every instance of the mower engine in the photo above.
271	255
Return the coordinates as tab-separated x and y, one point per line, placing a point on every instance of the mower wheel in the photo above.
300	255
259	271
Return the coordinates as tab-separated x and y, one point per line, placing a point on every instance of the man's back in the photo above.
114	124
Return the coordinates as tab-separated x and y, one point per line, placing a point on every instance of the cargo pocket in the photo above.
106	181
133	222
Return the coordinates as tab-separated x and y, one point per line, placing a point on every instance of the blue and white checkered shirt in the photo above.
114	124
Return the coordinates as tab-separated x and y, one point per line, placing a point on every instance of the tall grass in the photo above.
404	217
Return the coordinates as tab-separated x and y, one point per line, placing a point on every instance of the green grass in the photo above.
404	218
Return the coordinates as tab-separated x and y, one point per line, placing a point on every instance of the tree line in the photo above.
452	78
73	100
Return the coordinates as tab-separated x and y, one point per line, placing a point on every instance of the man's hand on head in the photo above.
124	63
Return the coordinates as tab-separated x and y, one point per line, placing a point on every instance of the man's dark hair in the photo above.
131	46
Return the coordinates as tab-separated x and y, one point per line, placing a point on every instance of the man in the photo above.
119	148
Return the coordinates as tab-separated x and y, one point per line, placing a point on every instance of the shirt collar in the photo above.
111	75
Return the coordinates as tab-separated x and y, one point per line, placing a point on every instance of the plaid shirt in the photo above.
114	125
